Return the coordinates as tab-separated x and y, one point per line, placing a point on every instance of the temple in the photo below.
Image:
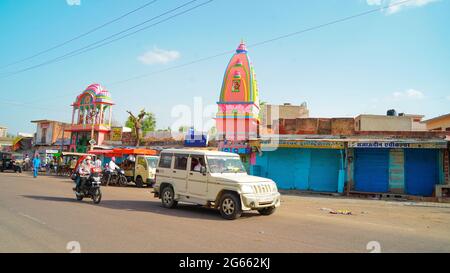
91	118
237	119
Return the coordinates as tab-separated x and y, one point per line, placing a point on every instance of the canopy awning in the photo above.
119	152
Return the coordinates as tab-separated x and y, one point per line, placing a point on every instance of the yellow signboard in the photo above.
306	144
116	134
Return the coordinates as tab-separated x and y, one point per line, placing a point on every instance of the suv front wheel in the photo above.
230	206
168	198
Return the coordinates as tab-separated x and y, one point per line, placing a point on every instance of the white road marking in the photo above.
32	218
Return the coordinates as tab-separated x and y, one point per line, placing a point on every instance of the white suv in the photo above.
214	179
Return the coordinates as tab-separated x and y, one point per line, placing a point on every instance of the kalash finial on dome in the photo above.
242	48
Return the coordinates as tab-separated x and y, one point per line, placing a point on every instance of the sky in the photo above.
396	58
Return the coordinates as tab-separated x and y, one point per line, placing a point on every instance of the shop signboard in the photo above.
116	134
195	139
398	144
238	147
304	143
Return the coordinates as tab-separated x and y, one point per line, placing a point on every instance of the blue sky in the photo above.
398	58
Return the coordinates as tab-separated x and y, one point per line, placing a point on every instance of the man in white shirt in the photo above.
112	164
98	163
197	165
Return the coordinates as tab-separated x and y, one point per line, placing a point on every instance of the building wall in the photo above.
54	132
40	128
316	126
58	131
343	126
271	113
383	123
439	124
3	132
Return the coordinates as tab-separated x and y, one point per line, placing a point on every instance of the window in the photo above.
165	161
225	164
181	162
141	161
197	162
44	136
152	162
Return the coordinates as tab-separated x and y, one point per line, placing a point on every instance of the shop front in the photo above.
309	165
402	167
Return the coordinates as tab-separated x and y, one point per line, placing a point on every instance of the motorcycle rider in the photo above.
83	170
112	166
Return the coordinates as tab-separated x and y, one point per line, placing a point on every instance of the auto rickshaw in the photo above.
7	162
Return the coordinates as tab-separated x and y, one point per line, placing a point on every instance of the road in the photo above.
42	215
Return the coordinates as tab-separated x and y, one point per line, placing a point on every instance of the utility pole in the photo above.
94	114
62	139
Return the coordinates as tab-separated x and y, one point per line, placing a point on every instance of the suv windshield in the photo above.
152	162
225	164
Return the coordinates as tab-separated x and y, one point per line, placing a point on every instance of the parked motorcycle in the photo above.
90	186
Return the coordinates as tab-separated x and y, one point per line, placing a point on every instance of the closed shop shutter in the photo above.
421	171
289	168
371	170
279	167
324	170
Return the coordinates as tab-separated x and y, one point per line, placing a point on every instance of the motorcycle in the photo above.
90	186
116	177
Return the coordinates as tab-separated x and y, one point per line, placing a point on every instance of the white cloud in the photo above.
159	56
411	94
448	97
397	5
73	2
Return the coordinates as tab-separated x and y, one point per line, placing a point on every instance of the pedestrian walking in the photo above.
36	165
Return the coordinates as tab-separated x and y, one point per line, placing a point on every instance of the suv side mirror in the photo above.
203	170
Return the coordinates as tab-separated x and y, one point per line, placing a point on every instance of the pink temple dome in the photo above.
99	93
242	48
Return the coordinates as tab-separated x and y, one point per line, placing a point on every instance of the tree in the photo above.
143	123
183	129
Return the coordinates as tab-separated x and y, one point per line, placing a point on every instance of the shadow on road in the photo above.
150	206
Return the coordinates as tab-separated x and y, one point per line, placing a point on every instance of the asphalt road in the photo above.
42	215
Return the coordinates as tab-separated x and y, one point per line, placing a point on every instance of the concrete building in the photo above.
48	132
3	131
271	113
389	123
441	123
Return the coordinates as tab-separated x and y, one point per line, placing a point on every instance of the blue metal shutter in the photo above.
324	170
371	170
421	171
279	167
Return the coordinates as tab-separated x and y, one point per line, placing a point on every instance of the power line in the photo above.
268	40
261	43
92	46
81	35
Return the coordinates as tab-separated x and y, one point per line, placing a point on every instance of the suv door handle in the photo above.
174	171
191	173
